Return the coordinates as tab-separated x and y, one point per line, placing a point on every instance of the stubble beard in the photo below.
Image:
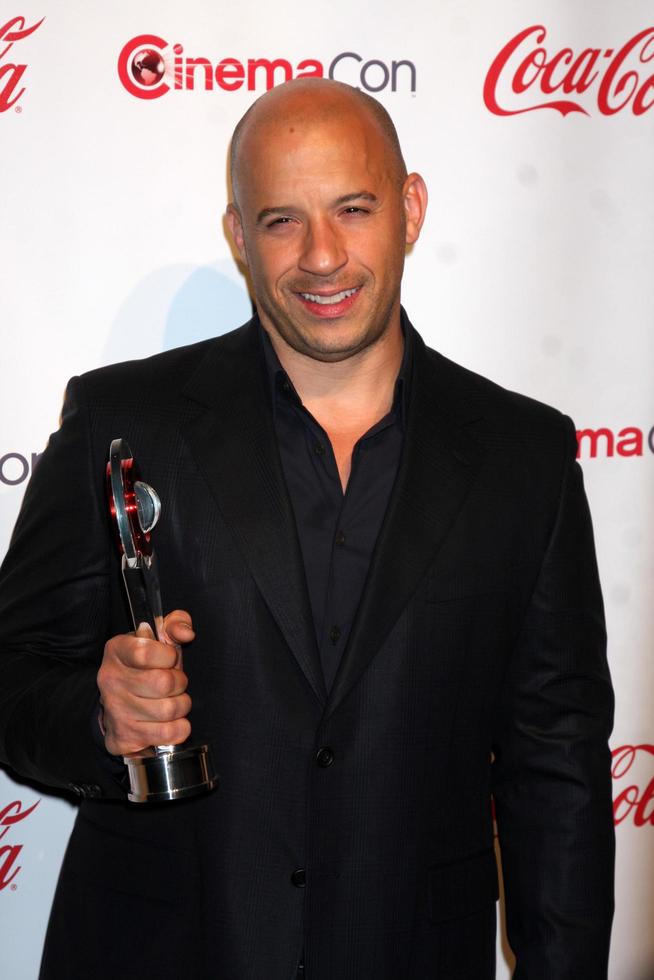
304	342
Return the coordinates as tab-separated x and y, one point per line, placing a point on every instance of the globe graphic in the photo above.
148	67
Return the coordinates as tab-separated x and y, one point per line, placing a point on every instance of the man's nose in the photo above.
324	251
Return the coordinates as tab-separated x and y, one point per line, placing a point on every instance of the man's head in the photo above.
322	212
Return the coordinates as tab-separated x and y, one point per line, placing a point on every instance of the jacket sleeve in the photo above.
54	615
552	785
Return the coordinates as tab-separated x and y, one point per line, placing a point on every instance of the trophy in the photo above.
161	772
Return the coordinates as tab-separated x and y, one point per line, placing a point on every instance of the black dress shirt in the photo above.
337	531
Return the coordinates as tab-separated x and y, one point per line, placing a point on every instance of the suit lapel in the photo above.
439	463
233	440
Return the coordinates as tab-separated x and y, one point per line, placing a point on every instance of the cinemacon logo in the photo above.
15	468
148	67
525	75
629	441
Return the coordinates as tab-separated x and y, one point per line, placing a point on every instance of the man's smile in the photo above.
333	304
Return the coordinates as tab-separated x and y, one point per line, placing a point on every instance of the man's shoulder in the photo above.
172	369
468	396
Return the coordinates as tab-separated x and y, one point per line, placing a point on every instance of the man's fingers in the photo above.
155	684
156	710
119	683
140	652
172	733
143	688
179	626
150	655
123	738
146	631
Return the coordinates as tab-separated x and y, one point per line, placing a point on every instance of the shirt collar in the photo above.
281	386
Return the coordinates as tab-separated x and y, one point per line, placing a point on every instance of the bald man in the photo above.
384	571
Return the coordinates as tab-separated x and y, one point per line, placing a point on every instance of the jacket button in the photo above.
324	757
299	878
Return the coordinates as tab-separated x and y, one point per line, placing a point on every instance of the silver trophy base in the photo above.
169	772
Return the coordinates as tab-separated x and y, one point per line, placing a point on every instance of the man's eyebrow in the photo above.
282	209
358	196
344	199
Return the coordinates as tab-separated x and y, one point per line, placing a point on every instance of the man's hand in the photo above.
143	688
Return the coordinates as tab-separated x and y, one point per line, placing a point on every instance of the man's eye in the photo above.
282	220
353	209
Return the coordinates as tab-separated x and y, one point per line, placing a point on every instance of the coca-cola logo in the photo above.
11	74
524	76
631	440
12	814
149	67
633	769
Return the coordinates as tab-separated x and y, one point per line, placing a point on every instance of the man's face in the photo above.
322	224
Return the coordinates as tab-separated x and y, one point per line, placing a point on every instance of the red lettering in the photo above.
593	436
640	106
537	60
610	87
7	862
628	796
7	33
125	62
518	70
641	817
7	820
573	84
12	814
630	442
499	65
316	69
269	67
230	74
6	91
14	30
191	65
547	84
630	799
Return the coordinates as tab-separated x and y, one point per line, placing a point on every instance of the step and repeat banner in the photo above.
533	125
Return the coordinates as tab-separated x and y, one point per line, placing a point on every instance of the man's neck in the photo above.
347	396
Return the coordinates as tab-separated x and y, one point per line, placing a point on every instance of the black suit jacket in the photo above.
476	665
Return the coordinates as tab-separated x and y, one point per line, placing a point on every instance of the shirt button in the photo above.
299	878
325	757
286	385
340	538
334	634
319	449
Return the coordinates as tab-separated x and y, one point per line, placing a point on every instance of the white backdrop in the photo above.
534	268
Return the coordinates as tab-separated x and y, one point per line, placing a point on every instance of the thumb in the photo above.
145	630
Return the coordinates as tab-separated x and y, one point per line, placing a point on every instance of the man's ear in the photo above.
414	194
235	225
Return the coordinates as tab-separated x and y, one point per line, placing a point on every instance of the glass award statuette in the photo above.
161	772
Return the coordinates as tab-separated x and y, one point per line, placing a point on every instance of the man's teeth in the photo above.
329	300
